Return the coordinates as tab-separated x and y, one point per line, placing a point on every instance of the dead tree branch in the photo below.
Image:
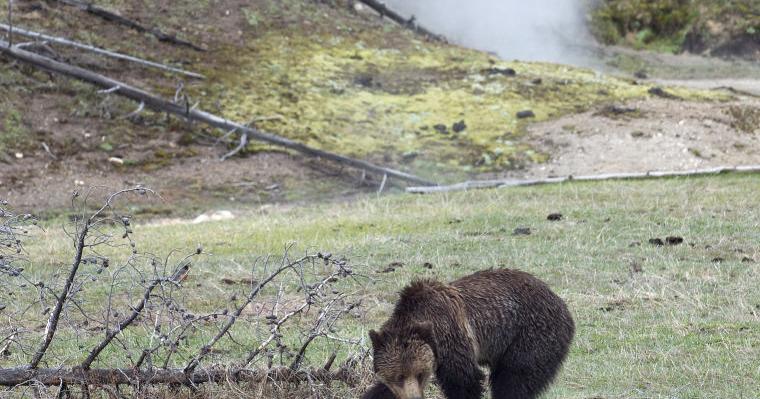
410	23
122	325
238	148
111	286
97	50
66	292
113	17
481	184
275	329
184	110
235	315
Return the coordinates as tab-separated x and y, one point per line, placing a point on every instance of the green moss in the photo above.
355	95
745	118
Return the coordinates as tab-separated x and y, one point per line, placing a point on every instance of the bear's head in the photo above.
404	359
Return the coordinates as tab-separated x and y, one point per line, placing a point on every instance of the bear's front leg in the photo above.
460	378
379	391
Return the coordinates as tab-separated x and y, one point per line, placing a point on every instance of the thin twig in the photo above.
47	149
97	50
123	325
243	142
235	315
66	292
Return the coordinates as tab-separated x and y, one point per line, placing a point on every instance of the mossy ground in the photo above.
381	96
325	76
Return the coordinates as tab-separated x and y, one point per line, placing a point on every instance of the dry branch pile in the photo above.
133	324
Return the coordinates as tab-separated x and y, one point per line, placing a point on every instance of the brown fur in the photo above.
505	319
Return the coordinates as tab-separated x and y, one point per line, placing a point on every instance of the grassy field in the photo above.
672	321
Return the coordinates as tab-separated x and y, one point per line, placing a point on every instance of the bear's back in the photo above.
505	305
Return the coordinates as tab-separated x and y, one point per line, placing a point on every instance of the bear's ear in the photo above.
424	330
376	338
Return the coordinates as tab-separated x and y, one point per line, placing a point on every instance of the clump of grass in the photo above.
745	119
13	133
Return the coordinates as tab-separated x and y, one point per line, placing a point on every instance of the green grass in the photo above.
653	322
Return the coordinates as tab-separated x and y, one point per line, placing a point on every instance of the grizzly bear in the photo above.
507	320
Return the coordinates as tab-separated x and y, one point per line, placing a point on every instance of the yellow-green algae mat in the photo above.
390	103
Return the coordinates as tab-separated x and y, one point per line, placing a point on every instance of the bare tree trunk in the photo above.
480	184
160	104
107	53
410	23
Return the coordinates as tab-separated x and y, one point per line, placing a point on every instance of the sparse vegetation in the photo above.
643	311
724	27
661	275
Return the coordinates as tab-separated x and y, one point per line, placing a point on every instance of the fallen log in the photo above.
410	23
129	376
113	17
183	110
97	50
482	184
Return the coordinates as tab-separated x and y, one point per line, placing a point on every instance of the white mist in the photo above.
535	30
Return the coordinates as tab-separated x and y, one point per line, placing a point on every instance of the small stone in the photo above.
554	217
116	161
521	231
526	114
641	74
500	71
656	241
441	128
674	240
19	155
459	126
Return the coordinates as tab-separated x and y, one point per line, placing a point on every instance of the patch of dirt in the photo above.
39	183
664	135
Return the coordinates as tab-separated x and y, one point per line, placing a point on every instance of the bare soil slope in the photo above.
652	134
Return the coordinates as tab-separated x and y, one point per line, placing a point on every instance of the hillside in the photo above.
319	73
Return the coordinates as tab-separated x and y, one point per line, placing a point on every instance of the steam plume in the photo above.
539	30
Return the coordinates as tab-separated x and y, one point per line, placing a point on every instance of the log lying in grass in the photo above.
159	104
480	184
97	50
128	376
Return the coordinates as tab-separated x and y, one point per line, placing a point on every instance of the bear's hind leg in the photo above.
511	383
